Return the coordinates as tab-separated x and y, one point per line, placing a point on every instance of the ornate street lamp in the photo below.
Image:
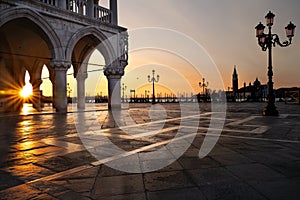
203	85
124	87
153	80
267	41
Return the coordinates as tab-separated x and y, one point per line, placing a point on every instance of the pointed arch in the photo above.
51	39
106	48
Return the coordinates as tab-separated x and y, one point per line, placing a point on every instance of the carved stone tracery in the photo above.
124	47
117	67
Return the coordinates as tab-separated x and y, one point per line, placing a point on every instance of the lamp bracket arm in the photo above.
276	40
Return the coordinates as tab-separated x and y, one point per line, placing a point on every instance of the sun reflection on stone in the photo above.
25	127
27	109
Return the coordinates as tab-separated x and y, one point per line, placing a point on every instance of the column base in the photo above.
37	106
61	109
81	107
270	110
115	107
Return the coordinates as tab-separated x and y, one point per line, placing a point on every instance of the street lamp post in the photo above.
267	41
146	92
203	85
124	87
153	80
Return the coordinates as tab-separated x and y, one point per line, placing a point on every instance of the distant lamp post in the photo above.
153	80
146	92
266	41
203	85
124	87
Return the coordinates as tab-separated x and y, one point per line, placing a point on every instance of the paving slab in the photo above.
8	180
50	188
192	163
149	164
118	185
20	192
254	171
167	180
137	196
231	159
182	194
28	172
231	190
278	189
212	176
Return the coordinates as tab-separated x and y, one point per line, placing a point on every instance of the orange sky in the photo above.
198	39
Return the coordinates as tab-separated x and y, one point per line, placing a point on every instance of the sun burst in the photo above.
27	89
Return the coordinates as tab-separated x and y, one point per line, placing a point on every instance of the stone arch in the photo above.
105	48
52	39
79	50
21	58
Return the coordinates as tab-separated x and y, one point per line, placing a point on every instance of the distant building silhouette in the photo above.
289	95
235	83
255	92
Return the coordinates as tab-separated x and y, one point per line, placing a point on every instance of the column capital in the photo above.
113	76
114	70
60	65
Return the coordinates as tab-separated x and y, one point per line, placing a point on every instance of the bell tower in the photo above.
235	82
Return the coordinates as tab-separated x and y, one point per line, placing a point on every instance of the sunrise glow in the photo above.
27	89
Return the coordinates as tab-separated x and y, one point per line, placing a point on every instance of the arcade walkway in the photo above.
42	156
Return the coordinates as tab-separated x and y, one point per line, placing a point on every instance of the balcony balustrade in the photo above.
82	7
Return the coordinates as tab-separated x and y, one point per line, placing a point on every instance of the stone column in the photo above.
60	87
80	77
37	99
114	71
52	79
80	7
114	92
90	8
114	10
62	4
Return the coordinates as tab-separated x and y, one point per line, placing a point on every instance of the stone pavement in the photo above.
51	156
